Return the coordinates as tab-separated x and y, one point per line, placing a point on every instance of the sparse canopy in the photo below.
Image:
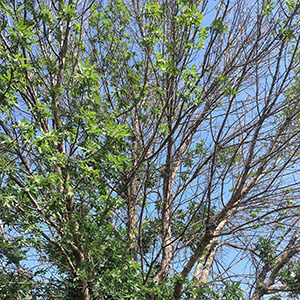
149	149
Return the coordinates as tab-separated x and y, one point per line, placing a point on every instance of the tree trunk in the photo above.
84	290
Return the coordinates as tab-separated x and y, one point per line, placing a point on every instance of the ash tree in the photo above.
149	149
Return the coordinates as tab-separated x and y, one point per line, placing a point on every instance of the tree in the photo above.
148	148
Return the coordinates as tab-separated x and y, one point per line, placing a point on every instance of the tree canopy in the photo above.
149	149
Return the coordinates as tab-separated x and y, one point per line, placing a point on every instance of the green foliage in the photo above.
265	250
267	8
154	10
286	34
189	15
276	298
218	26
292	4
228	291
290	275
12	286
